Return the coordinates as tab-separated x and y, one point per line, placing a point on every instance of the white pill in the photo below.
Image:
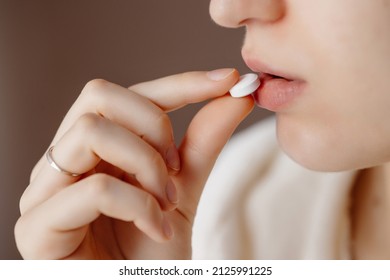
246	85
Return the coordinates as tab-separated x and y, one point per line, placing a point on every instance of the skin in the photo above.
339	48
109	133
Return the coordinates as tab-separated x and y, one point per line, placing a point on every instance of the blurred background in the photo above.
50	49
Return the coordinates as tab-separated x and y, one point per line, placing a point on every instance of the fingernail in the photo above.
171	192
167	228
220	74
172	158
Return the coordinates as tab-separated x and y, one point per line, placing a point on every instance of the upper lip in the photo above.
260	67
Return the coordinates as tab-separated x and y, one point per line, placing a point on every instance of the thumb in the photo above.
207	134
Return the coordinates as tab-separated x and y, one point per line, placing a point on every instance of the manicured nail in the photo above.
172	158
220	74
171	192
167	228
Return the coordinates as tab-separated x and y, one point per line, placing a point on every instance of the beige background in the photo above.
50	49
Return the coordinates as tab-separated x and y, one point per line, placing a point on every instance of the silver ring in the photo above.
53	164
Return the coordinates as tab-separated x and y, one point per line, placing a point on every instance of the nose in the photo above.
235	13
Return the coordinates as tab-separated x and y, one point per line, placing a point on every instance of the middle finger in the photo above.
131	110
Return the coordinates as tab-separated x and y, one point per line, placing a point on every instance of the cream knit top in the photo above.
259	204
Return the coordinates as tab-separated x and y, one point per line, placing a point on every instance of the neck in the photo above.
370	213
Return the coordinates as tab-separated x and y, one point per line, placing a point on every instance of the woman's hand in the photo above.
138	193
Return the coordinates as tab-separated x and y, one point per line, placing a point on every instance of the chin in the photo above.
315	148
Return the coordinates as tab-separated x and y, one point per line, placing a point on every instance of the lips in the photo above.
278	90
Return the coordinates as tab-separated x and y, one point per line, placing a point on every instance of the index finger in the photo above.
173	92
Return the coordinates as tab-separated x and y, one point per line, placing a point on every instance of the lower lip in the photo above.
275	94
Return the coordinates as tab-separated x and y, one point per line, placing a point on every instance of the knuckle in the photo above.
155	160
161	134
23	203
28	246
99	186
95	91
95	85
35	170
18	230
27	200
151	205
163	122
157	171
89	123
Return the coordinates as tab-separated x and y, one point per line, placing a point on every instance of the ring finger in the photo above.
91	139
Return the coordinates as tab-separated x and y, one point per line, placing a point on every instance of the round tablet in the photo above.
246	85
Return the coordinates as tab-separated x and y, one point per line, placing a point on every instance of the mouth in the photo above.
278	89
267	72
267	76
